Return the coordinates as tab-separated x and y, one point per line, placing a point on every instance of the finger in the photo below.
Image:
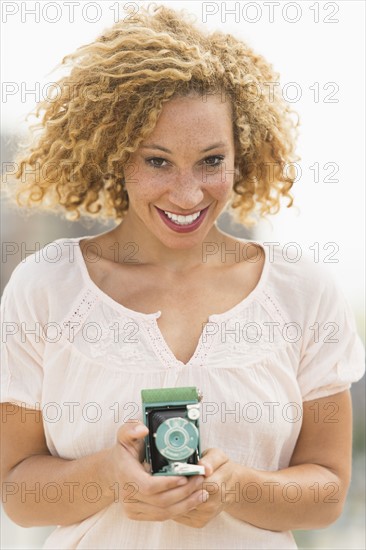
194	501
212	459
148	485
174	495
131	431
131	436
189	516
150	512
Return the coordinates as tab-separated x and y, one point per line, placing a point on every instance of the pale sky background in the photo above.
305	52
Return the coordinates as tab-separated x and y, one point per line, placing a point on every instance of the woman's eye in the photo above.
156	162
219	157
155	159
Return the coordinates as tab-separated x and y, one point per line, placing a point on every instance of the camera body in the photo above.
172	446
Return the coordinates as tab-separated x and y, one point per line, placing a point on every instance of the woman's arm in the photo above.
310	494
40	489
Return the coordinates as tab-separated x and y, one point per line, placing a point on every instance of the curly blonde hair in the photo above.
113	97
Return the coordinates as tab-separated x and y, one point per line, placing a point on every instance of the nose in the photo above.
186	193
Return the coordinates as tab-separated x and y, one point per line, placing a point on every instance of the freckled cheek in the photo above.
220	189
145	189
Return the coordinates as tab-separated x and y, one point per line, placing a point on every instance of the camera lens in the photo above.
176	438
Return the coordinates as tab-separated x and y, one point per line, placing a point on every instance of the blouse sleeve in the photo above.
332	354
22	345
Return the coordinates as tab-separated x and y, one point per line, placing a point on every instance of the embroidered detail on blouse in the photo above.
291	330
204	346
119	341
243	335
165	354
160	348
271	304
81	308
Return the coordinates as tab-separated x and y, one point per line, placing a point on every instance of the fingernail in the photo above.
139	429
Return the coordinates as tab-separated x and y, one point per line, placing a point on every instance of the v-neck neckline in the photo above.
161	346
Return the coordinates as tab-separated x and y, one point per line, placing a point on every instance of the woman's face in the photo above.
182	174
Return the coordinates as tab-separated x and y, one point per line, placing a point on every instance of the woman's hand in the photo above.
218	481
145	497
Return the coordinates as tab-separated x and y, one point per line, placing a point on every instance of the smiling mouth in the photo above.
180	222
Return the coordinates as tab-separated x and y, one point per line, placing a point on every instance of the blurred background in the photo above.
318	49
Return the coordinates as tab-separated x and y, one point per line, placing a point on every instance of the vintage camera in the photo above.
172	445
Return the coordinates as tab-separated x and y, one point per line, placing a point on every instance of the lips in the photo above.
179	223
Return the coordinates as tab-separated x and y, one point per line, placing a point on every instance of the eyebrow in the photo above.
156	146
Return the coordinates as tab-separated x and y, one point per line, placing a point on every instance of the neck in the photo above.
150	250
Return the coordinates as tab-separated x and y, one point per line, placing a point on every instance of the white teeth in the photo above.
182	220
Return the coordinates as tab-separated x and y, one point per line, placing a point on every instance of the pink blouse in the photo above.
83	358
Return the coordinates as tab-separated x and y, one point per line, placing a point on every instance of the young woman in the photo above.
160	127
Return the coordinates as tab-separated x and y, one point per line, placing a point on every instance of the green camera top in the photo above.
163	396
